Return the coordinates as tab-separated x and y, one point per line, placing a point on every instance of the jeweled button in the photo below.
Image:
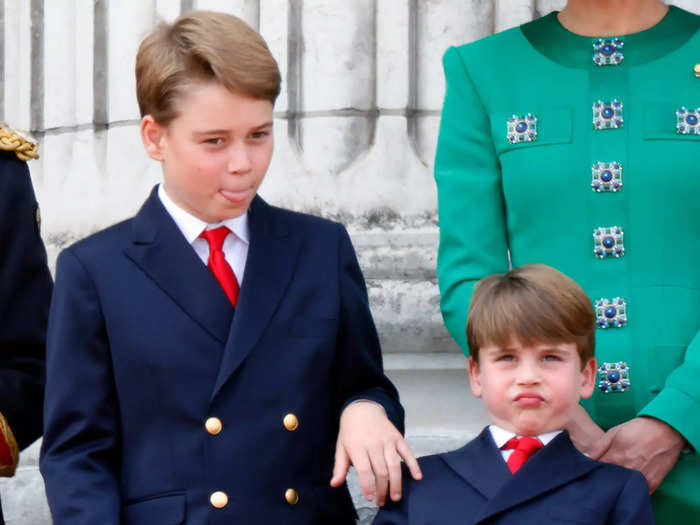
608	112
691	120
613	376
606	176
218	499
608	242
521	127
607	50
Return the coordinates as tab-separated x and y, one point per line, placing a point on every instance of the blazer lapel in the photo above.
481	465
556	464
163	253
272	255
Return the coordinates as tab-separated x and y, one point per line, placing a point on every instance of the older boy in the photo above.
531	336
200	354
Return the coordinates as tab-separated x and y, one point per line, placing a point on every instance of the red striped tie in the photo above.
217	262
523	448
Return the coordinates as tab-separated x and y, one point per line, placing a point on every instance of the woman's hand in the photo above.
643	443
584	432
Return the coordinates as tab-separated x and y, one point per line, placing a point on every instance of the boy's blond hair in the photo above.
531	304
202	46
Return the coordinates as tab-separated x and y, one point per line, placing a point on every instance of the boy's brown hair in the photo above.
532	304
202	46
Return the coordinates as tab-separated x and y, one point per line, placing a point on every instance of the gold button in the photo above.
218	499
697	70
213	425
292	496
290	422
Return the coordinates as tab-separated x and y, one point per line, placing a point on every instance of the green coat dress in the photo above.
584	154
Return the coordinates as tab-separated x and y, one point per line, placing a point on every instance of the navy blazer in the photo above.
143	347
472	485
25	292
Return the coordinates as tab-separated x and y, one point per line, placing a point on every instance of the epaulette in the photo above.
9	451
24	146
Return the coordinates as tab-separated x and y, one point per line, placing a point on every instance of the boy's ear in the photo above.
152	134
588	380
474	376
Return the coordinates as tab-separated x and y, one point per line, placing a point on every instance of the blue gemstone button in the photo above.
521	128
688	121
613	377
607	176
611	313
607	114
608	242
608	51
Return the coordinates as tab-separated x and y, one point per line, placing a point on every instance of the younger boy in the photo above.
201	353
531	337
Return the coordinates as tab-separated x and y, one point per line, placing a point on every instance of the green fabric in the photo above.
534	200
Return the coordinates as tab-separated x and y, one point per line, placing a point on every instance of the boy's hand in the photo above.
371	443
645	444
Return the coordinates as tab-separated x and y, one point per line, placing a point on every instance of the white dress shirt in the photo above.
501	437
235	246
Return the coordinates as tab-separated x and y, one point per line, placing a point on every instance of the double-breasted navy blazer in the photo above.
143	347
25	292
472	485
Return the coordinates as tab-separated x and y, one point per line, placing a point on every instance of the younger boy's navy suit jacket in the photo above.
472	485
143	347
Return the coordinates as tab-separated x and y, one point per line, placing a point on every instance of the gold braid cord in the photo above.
24	147
8	447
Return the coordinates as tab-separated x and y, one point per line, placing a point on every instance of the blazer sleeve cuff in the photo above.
9	451
678	410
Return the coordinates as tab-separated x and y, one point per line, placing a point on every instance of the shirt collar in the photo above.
192	226
501	436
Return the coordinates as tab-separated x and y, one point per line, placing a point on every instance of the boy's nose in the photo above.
528	374
239	159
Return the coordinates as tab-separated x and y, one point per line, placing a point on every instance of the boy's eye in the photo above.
214	141
505	357
552	357
260	134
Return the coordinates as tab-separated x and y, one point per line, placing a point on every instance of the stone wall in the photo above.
355	130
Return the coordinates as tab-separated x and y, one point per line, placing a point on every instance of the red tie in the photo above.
523	448
217	262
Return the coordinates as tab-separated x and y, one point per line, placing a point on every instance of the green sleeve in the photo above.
678	403
473	239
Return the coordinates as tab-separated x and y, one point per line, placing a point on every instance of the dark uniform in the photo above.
25	292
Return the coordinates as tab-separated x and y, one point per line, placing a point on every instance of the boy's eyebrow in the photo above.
225	131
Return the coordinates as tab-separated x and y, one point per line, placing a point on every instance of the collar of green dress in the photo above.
551	39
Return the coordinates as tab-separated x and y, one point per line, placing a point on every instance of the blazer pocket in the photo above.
310	327
554	126
164	509
660	121
574	514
